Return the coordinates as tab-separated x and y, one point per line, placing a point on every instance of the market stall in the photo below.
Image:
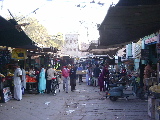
31	84
5	82
5	89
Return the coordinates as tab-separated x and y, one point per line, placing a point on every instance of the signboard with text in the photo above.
152	40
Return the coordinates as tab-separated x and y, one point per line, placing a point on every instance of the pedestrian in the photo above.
72	78
23	79
17	83
123	75
88	75
37	72
147	74
96	73
104	78
42	81
79	69
65	77
50	76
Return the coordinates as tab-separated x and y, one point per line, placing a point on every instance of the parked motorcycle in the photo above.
118	92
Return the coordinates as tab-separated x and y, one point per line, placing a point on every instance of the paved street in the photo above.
86	103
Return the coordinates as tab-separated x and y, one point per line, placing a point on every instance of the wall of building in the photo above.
71	46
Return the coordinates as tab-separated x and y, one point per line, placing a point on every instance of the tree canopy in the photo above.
38	33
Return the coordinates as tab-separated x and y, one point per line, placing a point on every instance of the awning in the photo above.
124	24
30	47
103	50
48	49
5	25
137	2
10	36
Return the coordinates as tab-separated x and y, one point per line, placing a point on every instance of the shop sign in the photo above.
144	54
152	40
19	53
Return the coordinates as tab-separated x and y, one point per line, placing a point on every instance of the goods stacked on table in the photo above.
81	72
30	79
155	90
31	83
5	57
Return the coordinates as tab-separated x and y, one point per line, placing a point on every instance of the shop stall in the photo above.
31	83
6	88
5	82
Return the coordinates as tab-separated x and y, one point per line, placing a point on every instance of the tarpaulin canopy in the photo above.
137	2
10	36
5	25
124	24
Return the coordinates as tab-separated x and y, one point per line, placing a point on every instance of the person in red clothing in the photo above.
65	77
123	72
123	75
104	77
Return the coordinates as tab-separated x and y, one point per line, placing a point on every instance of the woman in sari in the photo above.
42	81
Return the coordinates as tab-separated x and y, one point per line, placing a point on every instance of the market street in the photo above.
86	103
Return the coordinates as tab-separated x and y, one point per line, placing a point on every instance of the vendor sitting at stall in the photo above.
31	71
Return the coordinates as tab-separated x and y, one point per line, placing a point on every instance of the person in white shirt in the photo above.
50	74
17	83
23	79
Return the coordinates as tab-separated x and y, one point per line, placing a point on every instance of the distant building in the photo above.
71	46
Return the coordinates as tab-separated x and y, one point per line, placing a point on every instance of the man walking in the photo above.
73	78
65	75
80	75
88	75
104	77
17	83
96	73
50	74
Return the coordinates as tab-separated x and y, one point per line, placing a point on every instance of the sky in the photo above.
66	16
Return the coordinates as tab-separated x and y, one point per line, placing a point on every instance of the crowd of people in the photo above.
97	75
44	76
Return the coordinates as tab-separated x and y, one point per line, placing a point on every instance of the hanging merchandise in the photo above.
19	53
4	57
